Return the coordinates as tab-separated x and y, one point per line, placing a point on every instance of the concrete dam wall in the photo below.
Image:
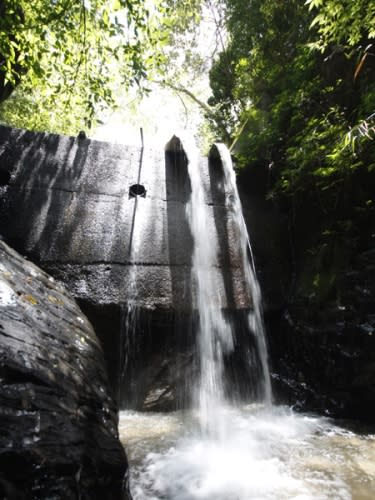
69	207
68	204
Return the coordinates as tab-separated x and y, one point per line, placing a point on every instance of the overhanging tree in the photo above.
72	53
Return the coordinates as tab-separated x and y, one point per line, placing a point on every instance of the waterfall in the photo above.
216	335
255	317
238	451
130	311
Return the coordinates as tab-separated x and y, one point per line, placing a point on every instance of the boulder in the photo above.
58	421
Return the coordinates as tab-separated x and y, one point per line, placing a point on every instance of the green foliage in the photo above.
70	60
306	116
358	136
178	26
70	54
38	110
342	22
291	107
193	33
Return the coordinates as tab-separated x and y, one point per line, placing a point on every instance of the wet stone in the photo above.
58	422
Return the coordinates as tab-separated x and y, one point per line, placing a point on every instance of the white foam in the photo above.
7	295
269	454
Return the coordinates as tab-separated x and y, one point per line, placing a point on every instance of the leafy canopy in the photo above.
343	22
291	106
296	83
72	56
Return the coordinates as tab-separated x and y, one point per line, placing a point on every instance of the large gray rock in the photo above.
58	423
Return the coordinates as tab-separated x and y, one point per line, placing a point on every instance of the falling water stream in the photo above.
255	317
214	333
222	451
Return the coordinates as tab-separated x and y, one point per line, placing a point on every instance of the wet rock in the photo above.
58	424
69	207
162	366
165	382
268	231
324	354
159	361
319	305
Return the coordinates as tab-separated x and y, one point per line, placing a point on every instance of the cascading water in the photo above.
215	336
130	310
215	332
245	452
255	316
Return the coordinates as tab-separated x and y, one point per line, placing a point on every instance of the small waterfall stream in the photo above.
215	334
255	316
224	451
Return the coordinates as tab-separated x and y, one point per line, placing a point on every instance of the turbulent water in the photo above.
252	452
262	454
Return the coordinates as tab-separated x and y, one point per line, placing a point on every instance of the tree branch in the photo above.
210	113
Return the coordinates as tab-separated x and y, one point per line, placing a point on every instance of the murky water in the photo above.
257	453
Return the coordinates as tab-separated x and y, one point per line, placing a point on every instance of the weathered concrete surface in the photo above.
68	207
58	423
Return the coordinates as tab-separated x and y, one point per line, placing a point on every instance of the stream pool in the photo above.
252	453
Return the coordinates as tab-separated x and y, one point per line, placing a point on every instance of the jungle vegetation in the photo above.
296	85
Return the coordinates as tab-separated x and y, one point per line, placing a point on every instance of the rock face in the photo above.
58	424
321	343
324	354
69	205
